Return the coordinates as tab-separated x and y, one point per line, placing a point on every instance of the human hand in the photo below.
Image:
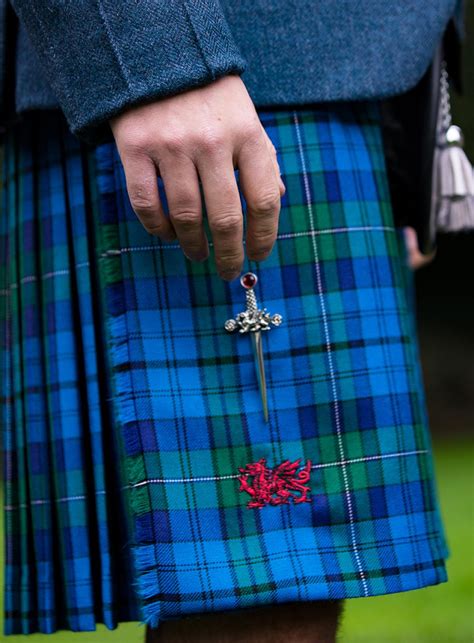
202	135
416	259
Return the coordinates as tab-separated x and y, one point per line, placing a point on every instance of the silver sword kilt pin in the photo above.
254	321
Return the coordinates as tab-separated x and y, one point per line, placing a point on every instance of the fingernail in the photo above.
260	255
229	275
198	258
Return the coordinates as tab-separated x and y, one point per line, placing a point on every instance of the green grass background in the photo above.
442	613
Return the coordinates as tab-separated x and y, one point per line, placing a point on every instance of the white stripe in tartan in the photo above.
337	418
34	278
288	235
338	463
324	465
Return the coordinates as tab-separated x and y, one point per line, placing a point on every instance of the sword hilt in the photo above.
252	319
251	301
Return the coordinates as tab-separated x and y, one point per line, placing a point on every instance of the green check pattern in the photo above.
143	409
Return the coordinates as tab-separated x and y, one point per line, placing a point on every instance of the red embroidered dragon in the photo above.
275	486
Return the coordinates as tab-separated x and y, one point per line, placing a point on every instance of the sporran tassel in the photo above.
453	180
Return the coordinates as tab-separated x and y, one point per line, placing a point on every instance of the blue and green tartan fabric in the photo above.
64	568
129	411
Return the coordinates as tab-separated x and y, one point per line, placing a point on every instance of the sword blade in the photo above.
260	368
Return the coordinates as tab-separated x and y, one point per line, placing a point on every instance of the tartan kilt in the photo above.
141	481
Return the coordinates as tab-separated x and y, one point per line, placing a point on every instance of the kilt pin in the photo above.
159	462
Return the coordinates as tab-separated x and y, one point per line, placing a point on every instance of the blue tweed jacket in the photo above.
95	58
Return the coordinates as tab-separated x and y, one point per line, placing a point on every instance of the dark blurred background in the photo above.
445	295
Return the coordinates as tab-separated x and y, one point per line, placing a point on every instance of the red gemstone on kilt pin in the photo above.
277	485
248	280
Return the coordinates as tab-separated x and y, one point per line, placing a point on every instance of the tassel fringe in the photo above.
455	208
453	178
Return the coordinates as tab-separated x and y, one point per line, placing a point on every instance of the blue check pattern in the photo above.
134	368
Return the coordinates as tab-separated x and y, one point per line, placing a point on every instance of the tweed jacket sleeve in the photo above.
103	56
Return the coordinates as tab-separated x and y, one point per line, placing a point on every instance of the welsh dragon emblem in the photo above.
277	485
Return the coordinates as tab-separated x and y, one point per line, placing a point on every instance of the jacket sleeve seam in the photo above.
198	41
113	45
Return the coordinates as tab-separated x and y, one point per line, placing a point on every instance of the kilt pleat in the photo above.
59	546
129	415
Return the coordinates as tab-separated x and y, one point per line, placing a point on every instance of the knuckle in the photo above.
261	245
251	131
230	256
264	240
135	143
143	203
266	203
172	142
250	134
155	228
225	222
229	262
209	141
184	217
142	207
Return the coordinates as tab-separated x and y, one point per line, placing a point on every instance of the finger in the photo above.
181	185
224	212
273	154
416	259
261	190
142	188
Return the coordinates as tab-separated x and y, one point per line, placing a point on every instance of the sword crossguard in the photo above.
252	319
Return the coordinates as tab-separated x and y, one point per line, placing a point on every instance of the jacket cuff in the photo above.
102	56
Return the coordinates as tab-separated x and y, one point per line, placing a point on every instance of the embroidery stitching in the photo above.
274	486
